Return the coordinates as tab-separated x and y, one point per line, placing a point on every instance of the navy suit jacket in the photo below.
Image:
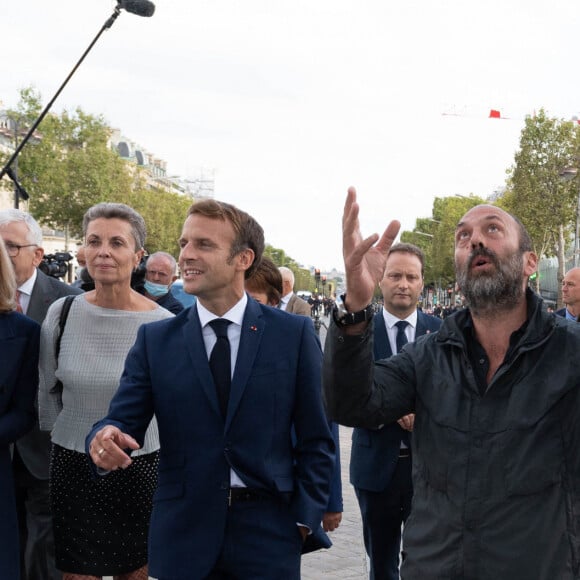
34	448
375	452
19	343
167	374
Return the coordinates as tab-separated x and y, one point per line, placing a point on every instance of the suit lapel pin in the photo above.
253	328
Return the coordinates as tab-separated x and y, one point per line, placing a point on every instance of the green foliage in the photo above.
164	214
303	280
536	192
71	167
436	237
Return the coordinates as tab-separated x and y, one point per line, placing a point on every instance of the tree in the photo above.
21	119
71	167
303	280
536	192
164	213
436	237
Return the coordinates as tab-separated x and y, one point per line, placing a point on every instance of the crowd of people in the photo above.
140	438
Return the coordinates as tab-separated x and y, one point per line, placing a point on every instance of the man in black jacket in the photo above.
496	393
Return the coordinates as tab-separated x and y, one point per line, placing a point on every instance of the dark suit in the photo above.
319	539
192	528
169	302
19	343
383	482
32	458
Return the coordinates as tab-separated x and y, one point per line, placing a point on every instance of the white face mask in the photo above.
156	290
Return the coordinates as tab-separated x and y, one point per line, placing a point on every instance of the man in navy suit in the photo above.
571	295
236	497
31	454
380	462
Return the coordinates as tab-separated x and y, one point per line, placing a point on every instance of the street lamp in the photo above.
570	173
315	306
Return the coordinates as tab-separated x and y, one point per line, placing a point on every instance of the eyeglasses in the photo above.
14	249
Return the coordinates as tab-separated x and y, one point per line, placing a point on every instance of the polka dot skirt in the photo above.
100	524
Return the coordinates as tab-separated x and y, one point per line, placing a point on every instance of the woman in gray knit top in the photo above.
100	523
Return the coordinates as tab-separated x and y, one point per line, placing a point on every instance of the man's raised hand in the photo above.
364	259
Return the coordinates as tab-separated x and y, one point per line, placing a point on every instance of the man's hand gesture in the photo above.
107	447
364	259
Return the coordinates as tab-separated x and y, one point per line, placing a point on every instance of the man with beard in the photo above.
496	397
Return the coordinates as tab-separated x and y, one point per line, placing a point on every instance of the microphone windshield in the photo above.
139	7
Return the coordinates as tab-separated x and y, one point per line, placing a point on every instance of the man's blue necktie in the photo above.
401	336
220	362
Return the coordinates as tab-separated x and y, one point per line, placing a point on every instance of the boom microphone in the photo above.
139	7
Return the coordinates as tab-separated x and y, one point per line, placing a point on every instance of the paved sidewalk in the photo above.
346	560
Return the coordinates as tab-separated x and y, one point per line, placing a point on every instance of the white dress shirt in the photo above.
25	292
390	323
284	301
392	329
236	316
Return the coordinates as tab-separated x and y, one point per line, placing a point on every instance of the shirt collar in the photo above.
28	286
391	319
234	314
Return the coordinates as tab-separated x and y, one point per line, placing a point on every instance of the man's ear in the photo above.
246	258
38	255
138	256
530	263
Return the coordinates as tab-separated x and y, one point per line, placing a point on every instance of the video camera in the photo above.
55	265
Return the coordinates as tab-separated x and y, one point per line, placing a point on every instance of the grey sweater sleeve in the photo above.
49	404
94	346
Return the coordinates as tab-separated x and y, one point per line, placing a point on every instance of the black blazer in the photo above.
34	447
19	343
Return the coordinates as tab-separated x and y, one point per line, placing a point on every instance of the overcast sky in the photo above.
289	103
